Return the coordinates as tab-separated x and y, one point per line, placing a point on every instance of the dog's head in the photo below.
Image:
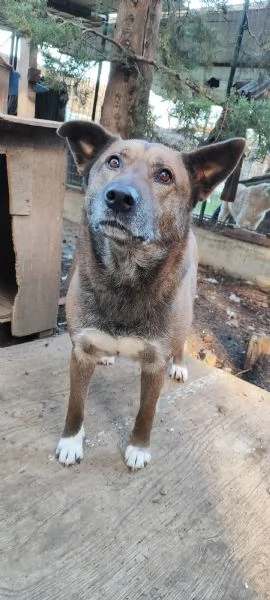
139	192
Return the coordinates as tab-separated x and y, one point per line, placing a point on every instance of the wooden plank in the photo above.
6	303
37	241
29	121
4	84
245	236
26	95
20	160
193	525
256	180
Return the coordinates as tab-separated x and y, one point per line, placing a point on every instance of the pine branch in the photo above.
84	29
131	57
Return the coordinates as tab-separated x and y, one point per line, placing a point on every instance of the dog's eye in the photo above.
164	176
114	162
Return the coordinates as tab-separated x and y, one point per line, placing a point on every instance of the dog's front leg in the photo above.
70	448
177	367
137	453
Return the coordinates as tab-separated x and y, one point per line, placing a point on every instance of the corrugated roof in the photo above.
256	90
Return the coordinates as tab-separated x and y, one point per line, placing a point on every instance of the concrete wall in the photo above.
237	258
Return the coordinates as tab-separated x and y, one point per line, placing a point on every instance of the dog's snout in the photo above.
121	198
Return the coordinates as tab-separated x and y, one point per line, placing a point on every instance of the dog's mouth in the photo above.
115	230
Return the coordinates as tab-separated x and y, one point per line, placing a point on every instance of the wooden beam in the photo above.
27	94
246	236
4	84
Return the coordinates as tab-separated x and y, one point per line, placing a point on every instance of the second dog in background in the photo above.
249	207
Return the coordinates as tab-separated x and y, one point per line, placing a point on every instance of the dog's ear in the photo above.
210	165
86	140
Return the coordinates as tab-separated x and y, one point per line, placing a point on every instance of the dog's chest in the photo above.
96	341
123	345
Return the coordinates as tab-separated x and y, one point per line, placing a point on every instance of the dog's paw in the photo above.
106	360
70	449
137	457
178	372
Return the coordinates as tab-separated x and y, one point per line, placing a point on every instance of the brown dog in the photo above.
133	283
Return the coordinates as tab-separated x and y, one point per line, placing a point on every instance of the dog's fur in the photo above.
249	207
134	277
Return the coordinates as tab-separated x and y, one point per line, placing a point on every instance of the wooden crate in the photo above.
32	187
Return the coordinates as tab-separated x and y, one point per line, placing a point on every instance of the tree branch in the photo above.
132	58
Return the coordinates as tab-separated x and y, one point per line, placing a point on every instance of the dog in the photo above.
134	276
249	207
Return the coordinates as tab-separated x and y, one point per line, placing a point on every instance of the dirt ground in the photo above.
222	326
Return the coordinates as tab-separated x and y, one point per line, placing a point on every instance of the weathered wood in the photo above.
30	121
36	165
4	84
38	246
259	345
244	235
254	180
193	525
6	304
44	334
27	94
20	161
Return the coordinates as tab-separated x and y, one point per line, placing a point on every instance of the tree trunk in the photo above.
126	99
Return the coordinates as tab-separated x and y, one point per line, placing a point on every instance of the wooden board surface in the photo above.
20	161
37	238
194	525
6	304
30	121
4	83
26	94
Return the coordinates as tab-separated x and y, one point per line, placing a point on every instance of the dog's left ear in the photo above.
86	140
210	165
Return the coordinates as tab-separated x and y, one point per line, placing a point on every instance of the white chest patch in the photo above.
129	347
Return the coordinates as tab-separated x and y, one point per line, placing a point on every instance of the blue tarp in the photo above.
14	85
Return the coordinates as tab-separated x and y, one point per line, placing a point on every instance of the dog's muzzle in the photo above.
121	198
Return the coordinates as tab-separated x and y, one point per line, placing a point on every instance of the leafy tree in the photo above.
239	117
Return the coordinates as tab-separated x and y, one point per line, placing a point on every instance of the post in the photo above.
103	42
238	46
4	83
27	94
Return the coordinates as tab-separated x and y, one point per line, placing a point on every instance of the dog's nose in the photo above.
121	198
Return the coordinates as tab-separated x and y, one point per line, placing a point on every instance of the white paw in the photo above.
178	372
70	449
136	457
106	360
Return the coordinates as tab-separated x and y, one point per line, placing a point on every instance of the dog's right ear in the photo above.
86	140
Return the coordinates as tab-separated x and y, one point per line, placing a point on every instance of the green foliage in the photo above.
31	19
193	116
185	42
253	115
148	132
247	118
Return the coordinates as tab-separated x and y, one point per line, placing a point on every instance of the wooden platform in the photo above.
194	525
6	304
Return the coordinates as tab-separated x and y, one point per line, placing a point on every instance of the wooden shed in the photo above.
32	187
